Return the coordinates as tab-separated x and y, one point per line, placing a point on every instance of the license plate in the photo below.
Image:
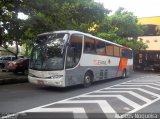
40	82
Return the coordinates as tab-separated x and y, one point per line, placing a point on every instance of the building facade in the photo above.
149	59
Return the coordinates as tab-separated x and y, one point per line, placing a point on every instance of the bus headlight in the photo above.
59	83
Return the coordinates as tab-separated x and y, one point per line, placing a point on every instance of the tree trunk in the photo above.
16	54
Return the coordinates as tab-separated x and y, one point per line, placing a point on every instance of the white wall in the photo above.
153	42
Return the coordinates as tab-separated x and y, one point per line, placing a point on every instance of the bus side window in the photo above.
126	53
109	49
100	48
89	45
116	51
123	53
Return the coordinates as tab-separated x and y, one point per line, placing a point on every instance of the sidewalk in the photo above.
10	77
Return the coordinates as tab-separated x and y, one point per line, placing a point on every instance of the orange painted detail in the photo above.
123	64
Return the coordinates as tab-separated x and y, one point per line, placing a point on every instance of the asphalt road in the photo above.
24	96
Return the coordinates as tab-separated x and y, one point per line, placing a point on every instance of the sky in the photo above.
140	8
22	16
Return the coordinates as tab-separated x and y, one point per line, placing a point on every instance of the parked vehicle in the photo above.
18	65
5	59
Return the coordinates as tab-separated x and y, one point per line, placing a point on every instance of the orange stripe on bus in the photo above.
123	64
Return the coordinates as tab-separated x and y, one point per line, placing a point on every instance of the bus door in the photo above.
73	69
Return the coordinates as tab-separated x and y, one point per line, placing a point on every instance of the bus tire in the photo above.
124	74
87	79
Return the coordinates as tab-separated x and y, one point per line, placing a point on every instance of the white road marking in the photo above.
141	85
122	98
77	112
155	84
105	106
140	89
145	105
130	92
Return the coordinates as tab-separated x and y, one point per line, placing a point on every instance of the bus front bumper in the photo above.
58	82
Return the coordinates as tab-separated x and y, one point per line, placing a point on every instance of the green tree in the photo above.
125	24
11	27
44	16
53	15
122	28
50	15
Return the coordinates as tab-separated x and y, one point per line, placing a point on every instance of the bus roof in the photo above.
86	34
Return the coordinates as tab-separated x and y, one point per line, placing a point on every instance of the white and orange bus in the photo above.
65	58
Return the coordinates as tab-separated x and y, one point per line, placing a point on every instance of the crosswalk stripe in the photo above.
140	89
139	84
122	98
142	85
155	84
145	105
76	111
105	106
130	92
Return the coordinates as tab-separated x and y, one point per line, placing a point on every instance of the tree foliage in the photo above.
122	28
11	27
51	15
64	14
125	24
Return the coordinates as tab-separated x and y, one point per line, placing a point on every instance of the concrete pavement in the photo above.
10	77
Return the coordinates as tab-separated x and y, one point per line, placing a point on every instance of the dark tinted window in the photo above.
100	48
127	53
89	45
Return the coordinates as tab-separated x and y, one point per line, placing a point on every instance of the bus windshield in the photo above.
48	52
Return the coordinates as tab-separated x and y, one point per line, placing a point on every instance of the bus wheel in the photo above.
124	75
87	79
